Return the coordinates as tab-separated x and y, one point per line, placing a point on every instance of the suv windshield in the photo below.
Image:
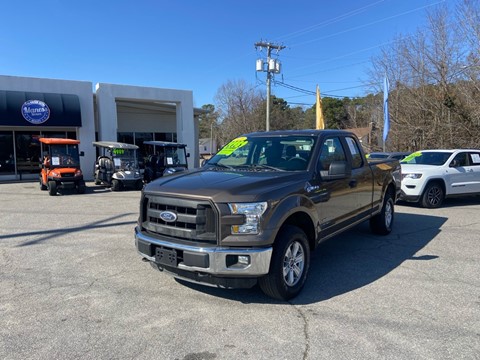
277	153
427	158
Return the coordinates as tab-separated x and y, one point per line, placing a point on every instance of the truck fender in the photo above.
296	211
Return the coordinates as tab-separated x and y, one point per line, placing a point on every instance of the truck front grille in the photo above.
195	220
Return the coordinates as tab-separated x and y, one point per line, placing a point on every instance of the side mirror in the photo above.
337	170
188	154
82	153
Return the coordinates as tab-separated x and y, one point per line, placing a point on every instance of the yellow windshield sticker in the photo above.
233	145
412	156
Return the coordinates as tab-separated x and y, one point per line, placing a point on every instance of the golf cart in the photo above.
166	158
117	166
60	168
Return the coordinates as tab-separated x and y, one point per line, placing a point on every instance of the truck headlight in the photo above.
253	212
411	176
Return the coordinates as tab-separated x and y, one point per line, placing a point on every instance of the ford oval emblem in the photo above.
168	216
35	111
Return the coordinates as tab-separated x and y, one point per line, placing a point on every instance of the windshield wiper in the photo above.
259	167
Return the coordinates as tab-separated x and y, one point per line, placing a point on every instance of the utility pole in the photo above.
271	66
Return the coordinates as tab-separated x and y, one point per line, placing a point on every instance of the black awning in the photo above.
18	108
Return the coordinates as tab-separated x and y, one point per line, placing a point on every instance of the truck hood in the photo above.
225	186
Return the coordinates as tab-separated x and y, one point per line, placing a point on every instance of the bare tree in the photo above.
237	106
433	80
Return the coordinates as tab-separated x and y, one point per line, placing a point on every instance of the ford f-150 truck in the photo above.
260	206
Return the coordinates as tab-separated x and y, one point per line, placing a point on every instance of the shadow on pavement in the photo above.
352	260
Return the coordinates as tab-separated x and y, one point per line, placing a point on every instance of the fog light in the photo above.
244	259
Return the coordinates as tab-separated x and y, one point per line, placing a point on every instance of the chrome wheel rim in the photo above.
293	263
434	195
388	214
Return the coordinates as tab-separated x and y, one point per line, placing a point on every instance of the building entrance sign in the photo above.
35	111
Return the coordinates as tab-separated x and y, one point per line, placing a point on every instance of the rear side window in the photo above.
357	160
474	159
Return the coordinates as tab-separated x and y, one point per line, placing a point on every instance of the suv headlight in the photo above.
411	176
253	213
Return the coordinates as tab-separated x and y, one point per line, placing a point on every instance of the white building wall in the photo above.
108	120
83	89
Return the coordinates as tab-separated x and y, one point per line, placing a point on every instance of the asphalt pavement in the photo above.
72	286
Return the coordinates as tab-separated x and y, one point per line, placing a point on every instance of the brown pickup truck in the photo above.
257	209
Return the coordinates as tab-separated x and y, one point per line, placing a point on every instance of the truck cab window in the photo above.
357	159
332	150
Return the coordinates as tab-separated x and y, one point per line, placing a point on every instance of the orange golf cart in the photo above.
60	167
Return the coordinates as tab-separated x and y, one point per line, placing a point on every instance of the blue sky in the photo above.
200	45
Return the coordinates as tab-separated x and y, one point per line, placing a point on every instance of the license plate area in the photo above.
166	256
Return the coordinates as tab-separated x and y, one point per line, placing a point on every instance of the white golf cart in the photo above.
117	166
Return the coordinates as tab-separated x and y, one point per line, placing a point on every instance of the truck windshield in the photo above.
427	158
270	153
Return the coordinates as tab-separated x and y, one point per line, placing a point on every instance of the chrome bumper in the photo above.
259	258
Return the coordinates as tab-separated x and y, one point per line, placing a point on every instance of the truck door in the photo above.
332	197
362	178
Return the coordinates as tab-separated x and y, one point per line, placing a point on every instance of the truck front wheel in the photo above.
289	265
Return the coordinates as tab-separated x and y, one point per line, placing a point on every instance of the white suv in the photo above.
429	176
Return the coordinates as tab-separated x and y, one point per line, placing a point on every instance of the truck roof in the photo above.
59	141
114	145
305	132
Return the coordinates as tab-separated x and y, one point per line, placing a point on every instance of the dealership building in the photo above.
31	108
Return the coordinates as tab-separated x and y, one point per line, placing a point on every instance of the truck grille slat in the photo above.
195	220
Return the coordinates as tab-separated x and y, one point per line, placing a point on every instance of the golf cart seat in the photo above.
106	168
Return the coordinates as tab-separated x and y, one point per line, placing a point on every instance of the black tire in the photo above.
433	195
382	223
139	185
81	187
116	185
42	185
52	188
288	266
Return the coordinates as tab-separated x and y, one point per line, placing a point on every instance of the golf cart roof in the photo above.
59	141
114	145
164	144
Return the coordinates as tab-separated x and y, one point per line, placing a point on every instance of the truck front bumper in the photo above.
216	261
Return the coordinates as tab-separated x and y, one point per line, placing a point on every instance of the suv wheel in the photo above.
433	195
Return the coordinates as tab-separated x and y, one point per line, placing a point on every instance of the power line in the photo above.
328	22
368	24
